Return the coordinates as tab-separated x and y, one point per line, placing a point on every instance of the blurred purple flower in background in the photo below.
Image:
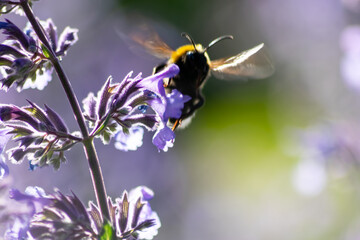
15	215
320	141
35	199
350	63
326	149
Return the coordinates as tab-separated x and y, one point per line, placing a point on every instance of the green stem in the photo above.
93	160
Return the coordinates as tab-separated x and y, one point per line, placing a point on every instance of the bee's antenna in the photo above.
184	34
218	40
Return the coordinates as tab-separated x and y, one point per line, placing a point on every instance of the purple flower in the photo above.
55	214
41	133
34	196
146	213
134	216
164	138
27	43
174	104
155	84
66	217
135	102
118	108
165	105
142	191
24	60
36	199
18	229
170	106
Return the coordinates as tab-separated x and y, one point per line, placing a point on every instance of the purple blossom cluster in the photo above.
332	149
42	134
122	110
35	214
57	216
24	60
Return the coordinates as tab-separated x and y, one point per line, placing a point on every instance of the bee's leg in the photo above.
176	124
167	82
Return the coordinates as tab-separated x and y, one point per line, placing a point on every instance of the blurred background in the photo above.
268	159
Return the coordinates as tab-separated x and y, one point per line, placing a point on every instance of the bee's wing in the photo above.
254	63
148	40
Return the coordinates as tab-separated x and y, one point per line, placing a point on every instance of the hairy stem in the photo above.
94	164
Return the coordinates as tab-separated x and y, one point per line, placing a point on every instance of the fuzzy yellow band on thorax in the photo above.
183	50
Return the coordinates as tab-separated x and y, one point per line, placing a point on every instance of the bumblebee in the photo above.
196	67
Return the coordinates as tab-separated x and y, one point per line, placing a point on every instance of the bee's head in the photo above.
197	60
194	55
198	48
197	56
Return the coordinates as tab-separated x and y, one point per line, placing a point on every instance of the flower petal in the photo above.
164	138
154	82
174	104
141	191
